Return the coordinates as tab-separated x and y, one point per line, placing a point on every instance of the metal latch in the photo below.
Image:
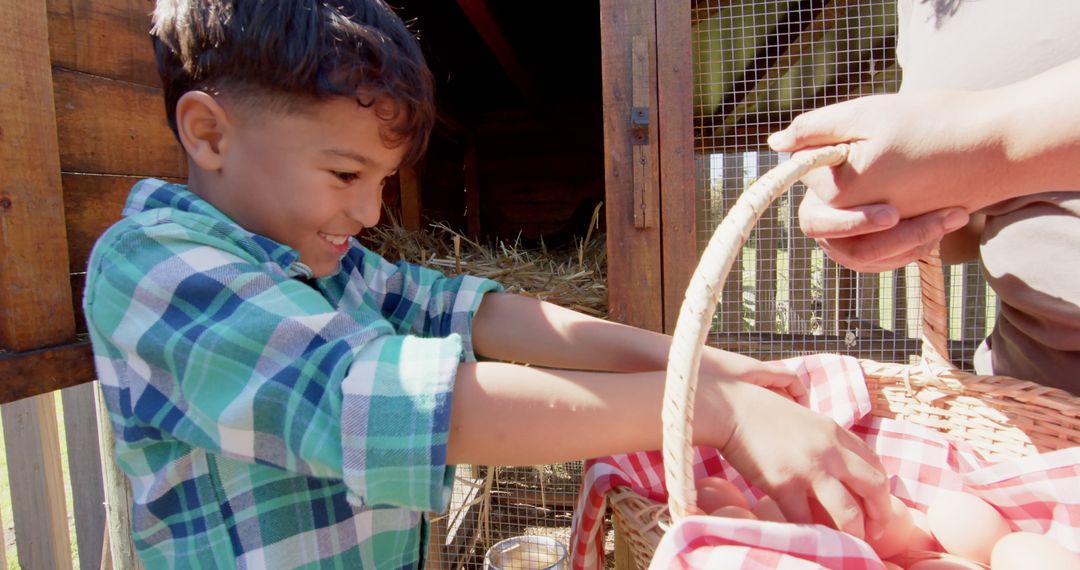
639	125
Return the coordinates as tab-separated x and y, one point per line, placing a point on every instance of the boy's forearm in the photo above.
505	414
522	329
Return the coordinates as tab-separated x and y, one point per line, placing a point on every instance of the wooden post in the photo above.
84	464
37	482
768	241
35	292
410	198
472	188
117	496
800	268
635	292
678	184
731	297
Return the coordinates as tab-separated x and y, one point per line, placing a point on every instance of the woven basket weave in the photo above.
1000	417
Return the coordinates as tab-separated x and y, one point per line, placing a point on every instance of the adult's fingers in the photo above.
820	220
893	247
827	125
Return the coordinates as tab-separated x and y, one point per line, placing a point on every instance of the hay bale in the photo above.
574	276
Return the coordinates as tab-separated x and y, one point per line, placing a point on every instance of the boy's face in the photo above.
308	180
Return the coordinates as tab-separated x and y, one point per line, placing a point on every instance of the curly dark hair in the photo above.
281	56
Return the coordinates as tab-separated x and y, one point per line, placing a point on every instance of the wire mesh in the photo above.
757	65
525	512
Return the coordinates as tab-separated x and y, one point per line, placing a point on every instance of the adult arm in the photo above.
918	159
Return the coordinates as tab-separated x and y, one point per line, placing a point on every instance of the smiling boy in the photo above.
284	398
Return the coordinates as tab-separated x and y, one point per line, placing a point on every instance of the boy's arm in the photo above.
505	414
517	328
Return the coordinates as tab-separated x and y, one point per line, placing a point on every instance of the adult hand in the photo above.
916	152
871	239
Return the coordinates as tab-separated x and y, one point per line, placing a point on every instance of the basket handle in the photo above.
699	304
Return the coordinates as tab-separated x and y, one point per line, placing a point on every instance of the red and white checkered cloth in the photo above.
1040	493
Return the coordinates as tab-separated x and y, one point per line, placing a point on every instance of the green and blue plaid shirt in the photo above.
263	422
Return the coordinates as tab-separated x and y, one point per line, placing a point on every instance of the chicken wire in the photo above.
757	65
493	504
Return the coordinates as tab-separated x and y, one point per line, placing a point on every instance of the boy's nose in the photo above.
366	207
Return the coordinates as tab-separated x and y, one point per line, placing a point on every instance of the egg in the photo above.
1025	550
898	529
966	525
767	510
734	512
716	492
920	538
954	563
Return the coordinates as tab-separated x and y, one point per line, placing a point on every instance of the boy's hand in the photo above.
772	375
795	455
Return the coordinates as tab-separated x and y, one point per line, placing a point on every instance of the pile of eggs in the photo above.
964	531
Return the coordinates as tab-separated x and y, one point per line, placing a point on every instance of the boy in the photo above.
284	398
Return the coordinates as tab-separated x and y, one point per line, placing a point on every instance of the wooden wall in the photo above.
537	170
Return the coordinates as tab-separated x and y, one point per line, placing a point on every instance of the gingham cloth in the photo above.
1039	493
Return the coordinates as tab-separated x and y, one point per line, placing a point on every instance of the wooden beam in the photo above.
84	464
479	14
26	374
635	293
678	184
35	297
472	188
37	482
870	343
409	184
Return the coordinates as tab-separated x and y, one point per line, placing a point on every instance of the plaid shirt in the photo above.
264	422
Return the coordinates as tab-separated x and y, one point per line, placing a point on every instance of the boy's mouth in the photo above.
335	239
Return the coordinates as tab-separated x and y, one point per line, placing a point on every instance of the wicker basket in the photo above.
1000	417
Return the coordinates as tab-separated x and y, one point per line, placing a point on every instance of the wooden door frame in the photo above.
651	256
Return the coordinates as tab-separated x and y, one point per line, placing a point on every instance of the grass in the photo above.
11	544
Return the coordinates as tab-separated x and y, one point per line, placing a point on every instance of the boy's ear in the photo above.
204	129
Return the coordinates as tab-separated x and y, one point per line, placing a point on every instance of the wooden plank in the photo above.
409	181
479	15
868	304
118	501
846	298
883	346
768	243
973	302
730	317
913	290
91	204
800	264
114	127
472	189
678	187
109	38
35	300
84	465
635	288
37	482
829	286
34	372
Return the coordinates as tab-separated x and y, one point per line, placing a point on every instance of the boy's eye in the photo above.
346	177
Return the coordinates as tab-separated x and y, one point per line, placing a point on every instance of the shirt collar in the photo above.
153	194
